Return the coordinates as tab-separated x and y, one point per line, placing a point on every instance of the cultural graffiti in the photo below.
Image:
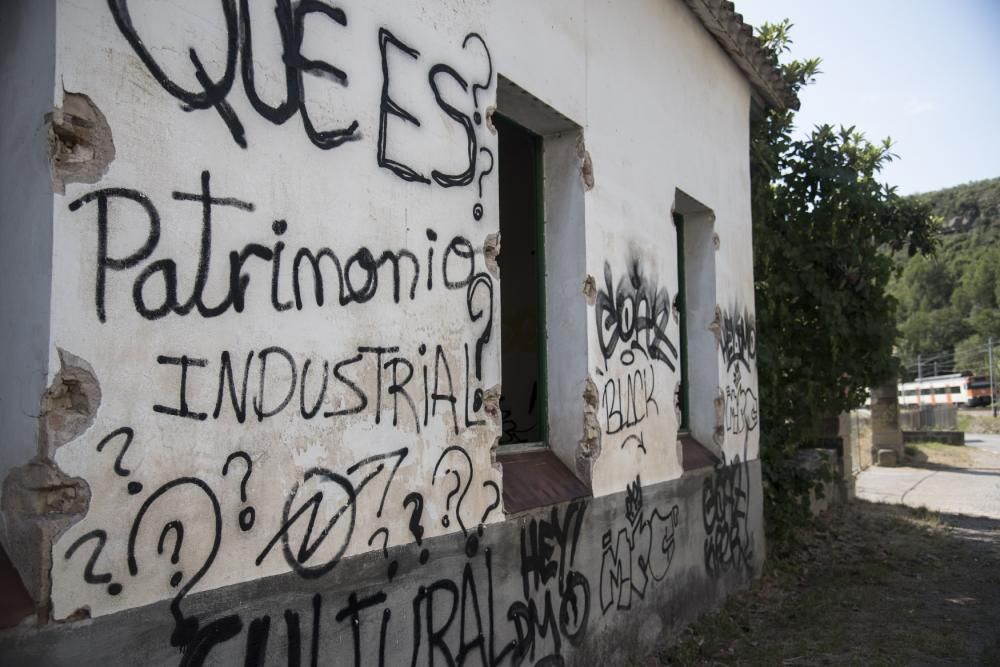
524	594
458	619
315	530
639	554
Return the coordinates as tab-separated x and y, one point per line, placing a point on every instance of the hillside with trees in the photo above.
949	303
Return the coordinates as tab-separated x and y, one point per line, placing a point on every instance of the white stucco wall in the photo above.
338	198
661	108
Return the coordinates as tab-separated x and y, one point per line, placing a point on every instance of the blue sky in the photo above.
924	72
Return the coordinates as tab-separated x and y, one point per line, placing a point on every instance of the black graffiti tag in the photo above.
634	315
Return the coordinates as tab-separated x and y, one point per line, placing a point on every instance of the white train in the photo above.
954	389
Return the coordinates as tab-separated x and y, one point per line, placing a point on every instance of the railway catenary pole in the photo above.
920	379
993	391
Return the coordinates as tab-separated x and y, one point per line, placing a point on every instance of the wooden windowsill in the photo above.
695	455
535	477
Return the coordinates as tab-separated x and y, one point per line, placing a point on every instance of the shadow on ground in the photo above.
868	585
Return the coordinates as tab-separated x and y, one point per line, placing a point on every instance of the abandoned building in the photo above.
356	333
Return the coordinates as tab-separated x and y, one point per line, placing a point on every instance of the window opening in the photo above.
680	305
522	316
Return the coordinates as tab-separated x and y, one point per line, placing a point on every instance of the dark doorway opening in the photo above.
522	275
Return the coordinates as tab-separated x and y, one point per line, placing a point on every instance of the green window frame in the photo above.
684	398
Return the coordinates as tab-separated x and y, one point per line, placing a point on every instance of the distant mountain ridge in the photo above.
965	207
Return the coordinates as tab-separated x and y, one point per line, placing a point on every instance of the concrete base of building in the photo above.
588	582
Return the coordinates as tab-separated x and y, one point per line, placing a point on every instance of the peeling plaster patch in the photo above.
587	171
716	326
490	110
716	241
40	502
590	445
491	406
590	290
69	405
491	401
81	147
491	250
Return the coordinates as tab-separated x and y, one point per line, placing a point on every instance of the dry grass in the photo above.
939	456
979	421
932	454
869	585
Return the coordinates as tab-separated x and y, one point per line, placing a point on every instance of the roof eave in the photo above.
738	41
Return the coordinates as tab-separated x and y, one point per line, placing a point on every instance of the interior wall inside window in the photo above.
696	243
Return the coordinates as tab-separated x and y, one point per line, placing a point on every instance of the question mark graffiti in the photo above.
385	550
247	515
496	503
185	627
120	470
476	87
178	529
414	498
477	209
465	490
89	575
483	279
477	116
445	521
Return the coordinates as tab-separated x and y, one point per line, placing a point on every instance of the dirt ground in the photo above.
868	585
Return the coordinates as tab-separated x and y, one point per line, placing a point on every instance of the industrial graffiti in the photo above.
377	381
639	554
725	505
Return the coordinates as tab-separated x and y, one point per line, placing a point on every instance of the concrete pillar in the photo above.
887	437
